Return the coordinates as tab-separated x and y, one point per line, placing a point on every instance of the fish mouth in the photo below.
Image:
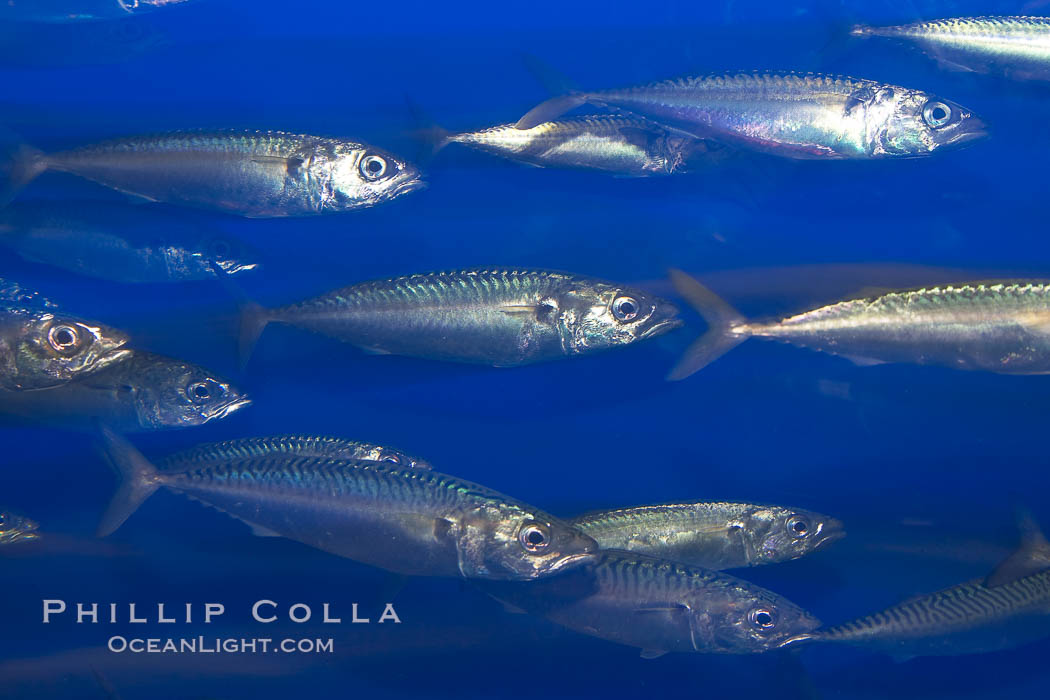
113	356
661	327
829	532
975	130
574	560
227	408
797	639
407	186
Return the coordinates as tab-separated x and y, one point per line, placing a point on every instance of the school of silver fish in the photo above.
644	576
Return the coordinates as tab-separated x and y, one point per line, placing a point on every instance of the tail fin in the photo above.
138	480
254	319
24	165
551	109
721	319
553	81
431	136
1032	557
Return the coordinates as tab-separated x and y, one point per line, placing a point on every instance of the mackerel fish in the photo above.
712	535
1015	47
623	146
405	520
793	115
1009	608
41	347
488	316
258	174
998	326
660	606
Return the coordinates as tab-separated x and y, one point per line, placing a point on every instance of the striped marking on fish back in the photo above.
966	603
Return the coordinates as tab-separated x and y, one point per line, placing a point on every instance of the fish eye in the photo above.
534	537
936	114
373	167
762	618
128	5
626	308
220	249
798	526
63	338
204	391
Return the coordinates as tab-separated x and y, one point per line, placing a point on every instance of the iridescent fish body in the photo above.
16	528
143	392
497	317
804	116
117	243
41	347
292	446
623	146
1016	47
712	535
251	173
994	326
406	520
661	606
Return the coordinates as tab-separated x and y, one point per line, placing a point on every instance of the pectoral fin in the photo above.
260	531
541	312
652	653
289	165
1032	557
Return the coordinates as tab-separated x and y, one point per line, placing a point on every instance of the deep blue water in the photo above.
924	465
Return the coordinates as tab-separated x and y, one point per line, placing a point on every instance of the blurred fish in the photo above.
41	347
712	535
1008	609
252	173
76	10
999	327
660	606
1017	47
117	243
219	453
497	317
143	392
16	528
409	521
804	116
625	146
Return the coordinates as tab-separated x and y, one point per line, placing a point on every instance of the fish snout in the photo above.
663	320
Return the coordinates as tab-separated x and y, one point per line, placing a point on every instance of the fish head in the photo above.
362	176
781	534
217	254
746	619
911	123
513	543
172	394
598	315
16	528
54	349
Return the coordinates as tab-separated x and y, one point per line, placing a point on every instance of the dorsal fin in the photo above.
1030	558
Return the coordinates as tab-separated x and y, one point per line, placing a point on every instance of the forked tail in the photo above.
139	479
254	319
22	167
721	320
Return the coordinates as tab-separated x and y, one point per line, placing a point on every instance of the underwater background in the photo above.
923	464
